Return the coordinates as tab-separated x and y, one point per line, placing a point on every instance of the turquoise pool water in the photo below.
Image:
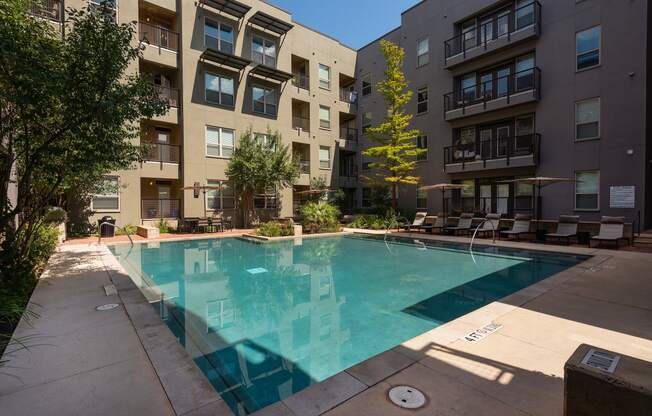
264	321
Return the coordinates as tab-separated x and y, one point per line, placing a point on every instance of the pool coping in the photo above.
339	388
265	239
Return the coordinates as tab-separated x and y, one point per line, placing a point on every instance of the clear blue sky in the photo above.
353	22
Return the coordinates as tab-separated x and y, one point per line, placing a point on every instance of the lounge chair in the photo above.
418	222
566	228
611	229
521	226
463	224
490	225
437	225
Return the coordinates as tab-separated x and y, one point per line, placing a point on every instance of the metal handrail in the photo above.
493	232
99	237
488	149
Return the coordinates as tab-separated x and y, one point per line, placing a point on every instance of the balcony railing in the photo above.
499	148
501	87
304	166
499	27
349	133
159	36
348	96
301	81
170	95
162	152
159	208
302	123
47	9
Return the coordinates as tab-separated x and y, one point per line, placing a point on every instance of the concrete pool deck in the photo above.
125	361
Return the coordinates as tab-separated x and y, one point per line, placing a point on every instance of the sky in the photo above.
353	22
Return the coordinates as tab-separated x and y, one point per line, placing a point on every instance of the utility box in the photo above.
599	382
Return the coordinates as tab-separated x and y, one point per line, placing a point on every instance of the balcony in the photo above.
498	93
301	124
171	96
168	5
162	44
348	138
304	175
47	9
161	161
348	96
499	153
492	34
159	208
301	81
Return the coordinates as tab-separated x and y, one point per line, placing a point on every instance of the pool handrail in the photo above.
99	237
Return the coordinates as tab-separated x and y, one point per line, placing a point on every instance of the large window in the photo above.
324	157
263	51
422	198
587	190
219	142
367	118
264	100
218	89
587	48
587	119
324	117
107	198
366	84
423	52
324	76
222	198
422	143
422	100
218	36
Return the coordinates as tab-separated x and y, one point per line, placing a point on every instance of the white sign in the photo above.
622	197
479	334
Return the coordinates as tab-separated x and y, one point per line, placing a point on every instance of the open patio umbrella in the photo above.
203	188
539	182
443	187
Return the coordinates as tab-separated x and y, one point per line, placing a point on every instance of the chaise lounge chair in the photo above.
418	222
611	229
490	225
521	226
566	228
438	224
463	224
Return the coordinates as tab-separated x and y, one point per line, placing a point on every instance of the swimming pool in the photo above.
264	321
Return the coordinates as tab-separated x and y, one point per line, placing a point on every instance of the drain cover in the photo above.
407	397
107	307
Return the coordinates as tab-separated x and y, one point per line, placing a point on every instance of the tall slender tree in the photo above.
395	151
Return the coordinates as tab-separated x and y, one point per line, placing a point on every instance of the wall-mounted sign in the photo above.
622	197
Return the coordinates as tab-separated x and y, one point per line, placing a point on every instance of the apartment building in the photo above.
509	89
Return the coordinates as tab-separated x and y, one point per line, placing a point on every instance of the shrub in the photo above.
163	226
320	217
375	222
126	229
275	229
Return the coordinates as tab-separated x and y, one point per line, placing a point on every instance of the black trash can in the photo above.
106	230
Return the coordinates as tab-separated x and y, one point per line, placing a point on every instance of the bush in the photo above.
163	226
320	217
127	229
375	222
275	229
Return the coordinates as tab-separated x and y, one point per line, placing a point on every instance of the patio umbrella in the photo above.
539	182
203	188
443	187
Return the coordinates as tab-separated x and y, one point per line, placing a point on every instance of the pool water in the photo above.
264	321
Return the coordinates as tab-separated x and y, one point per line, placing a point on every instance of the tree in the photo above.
395	152
257	167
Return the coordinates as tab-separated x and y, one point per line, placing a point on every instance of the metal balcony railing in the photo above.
500	87
159	208
349	133
47	9
170	95
301	81
498	148
162	152
500	26
348	96
302	123
158	36
304	166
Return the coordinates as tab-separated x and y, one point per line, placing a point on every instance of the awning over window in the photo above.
271	73
226	59
232	7
271	23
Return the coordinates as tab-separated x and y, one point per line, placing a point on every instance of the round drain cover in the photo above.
107	307
407	397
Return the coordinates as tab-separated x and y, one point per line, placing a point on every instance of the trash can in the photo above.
106	230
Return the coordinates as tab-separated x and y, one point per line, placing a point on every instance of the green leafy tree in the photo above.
395	151
256	167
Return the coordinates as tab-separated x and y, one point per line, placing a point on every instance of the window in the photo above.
324	77
423	52
264	100
366	197
263	51
422	100
366	84
524	15
524	72
422	143
268	200
324	157
218	36
524	196
366	121
111	7
587	119
587	48
587	190
218	89
468	88
422	198
219	142
219	199
107	198
324	117
265	139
